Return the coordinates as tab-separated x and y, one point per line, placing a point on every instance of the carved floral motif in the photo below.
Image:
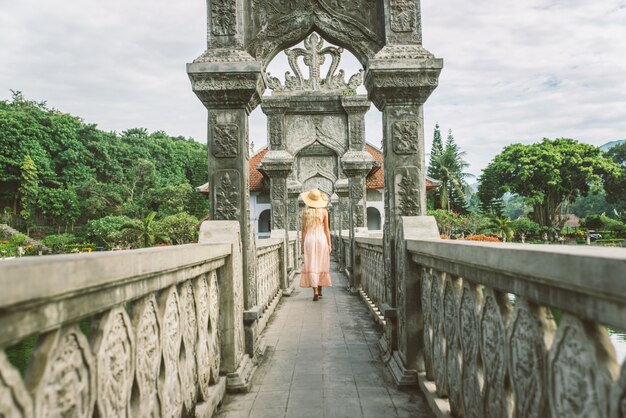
453	349
227	197
67	385
214	321
225	140
170	390
147	358
114	364
408	194
468	327
405	137
223	17
439	349
425	296
278	190
189	330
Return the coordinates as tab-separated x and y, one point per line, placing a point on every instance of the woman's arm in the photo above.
327	229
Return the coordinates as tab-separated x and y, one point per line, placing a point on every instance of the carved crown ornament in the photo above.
314	55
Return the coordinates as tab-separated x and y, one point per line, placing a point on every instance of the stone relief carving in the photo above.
579	377
403	15
147	358
530	327
278	190
439	349
278	220
405	137
170	390
223	17
227	198
302	131
453	349
617	407
225	140
113	348
203	355
356	131
66	386
469	332
189	330
493	346
276	130
14	399
313	56
214	327
425	296
407	193
356	191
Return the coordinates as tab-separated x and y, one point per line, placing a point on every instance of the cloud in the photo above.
514	71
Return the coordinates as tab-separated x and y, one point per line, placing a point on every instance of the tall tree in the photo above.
547	174
615	186
433	167
451	166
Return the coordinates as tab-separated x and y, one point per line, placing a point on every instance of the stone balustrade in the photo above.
130	333
501	330
268	271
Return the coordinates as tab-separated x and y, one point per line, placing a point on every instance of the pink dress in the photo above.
316	270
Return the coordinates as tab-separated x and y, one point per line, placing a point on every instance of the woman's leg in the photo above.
315	294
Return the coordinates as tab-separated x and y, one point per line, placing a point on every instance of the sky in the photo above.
514	71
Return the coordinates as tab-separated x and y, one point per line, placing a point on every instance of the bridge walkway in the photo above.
323	360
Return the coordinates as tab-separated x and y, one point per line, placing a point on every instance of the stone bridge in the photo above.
467	330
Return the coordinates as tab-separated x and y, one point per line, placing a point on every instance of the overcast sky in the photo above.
515	71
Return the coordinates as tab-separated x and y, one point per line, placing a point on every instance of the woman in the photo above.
315	243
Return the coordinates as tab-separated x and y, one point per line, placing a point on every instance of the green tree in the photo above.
502	226
515	206
615	186
29	192
108	231
181	228
451	166
524	227
433	166
146	231
547	174
61	205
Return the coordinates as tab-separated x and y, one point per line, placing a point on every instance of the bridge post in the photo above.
342	189
399	79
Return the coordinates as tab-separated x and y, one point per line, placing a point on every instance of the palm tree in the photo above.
146	231
503	227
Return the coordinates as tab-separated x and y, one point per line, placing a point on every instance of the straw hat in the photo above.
314	198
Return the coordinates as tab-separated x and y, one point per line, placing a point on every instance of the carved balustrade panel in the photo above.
189	329
531	330
451	297
425	295
14	398
471	374
437	319
495	313
113	349
145	322
268	273
581	367
170	390
62	375
372	268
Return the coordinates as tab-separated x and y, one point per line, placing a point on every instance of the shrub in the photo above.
181	228
18	239
108	231
58	242
481	237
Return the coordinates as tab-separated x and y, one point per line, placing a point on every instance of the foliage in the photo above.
502	226
18	239
88	173
547	174
604	223
448	165
595	202
524	228
108	231
515	206
29	190
59	242
146	231
616	185
181	228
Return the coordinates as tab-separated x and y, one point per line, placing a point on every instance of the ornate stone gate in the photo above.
385	36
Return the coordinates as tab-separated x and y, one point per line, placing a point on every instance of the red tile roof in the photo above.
375	179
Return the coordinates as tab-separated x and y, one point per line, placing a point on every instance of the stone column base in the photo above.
241	380
207	408
401	375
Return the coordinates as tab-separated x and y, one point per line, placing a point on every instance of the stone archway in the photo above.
385	35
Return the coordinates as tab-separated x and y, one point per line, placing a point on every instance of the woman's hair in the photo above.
313	216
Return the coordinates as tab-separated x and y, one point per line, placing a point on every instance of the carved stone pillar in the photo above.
335	229
277	165
399	80
342	189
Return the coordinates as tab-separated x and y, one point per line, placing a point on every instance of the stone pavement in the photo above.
322	360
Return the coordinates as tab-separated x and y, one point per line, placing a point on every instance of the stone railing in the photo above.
128	333
512	329
370	270
268	271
